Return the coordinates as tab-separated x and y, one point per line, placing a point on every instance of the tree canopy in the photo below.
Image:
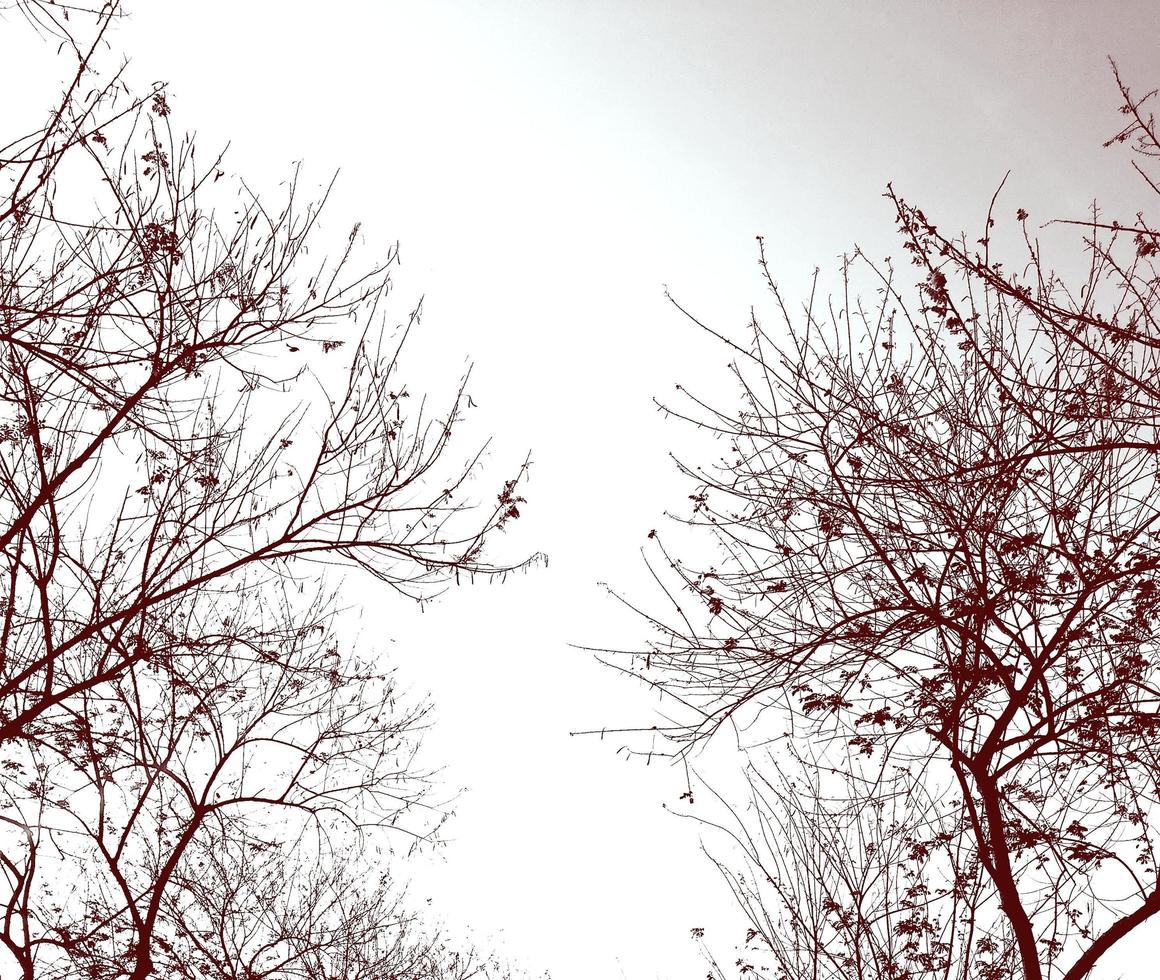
931	602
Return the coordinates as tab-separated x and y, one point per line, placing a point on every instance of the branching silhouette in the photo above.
197	418
933	598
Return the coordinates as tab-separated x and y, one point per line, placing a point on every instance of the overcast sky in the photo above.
548	167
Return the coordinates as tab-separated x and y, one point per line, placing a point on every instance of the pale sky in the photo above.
548	167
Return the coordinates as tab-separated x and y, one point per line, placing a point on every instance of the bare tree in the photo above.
932	595
197	418
243	915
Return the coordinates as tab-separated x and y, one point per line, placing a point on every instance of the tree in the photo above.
932	607
196	419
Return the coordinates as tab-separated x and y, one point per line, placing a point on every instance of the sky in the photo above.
549	168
